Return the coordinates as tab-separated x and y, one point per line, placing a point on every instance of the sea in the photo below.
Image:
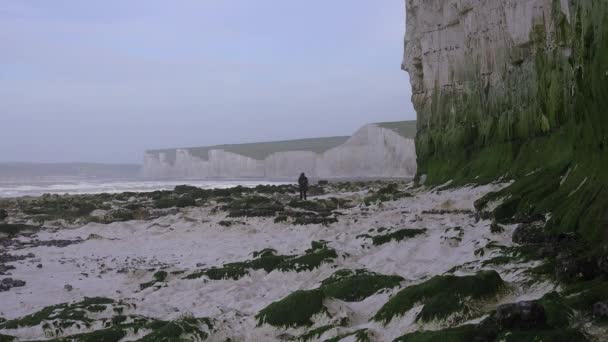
38	188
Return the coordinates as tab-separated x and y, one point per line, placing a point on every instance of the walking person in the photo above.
303	182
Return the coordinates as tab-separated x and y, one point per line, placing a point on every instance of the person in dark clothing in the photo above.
303	182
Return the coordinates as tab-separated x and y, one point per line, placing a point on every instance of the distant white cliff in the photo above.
383	150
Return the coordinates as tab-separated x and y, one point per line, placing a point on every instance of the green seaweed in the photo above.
361	335
355	286
294	310
442	296
397	236
267	260
76	312
314	333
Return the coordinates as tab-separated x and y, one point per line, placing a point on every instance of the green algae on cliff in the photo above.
544	126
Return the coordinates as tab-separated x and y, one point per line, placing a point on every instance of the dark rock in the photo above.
12	258
600	310
495	228
569	267
68	287
4	268
602	264
522	315
482	215
530	233
530	219
39	265
3	214
8	283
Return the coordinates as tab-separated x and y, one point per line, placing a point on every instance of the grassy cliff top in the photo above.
406	129
262	150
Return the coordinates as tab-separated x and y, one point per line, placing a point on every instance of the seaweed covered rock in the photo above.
530	233
253	206
600	310
570	267
8	283
390	192
268	261
355	286
12	229
465	333
185	329
442	296
522	315
295	310
397	236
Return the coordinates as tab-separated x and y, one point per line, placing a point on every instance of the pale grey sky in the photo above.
102	81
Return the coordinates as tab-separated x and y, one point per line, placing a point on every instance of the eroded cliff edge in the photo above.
382	150
515	89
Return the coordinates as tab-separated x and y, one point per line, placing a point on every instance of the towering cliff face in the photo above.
518	89
375	151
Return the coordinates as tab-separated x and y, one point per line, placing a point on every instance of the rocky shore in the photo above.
360	261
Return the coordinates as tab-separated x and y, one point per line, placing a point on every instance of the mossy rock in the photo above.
3	214
442	296
268	261
397	236
159	276
389	192
466	333
253	206
295	310
6	338
14	229
314	333
76	313
355	286
361	335
308	261
563	334
185	329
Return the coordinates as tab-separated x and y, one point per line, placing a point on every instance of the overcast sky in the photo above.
102	81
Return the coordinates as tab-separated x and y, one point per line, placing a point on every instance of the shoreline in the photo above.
218	263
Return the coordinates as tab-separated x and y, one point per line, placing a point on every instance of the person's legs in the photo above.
301	194
305	195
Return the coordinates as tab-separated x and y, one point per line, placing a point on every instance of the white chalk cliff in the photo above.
374	151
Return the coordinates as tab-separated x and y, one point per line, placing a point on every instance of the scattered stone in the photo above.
522	315
4	258
4	268
8	283
496	228
602	264
529	233
39	266
285	337
95	237
569	267
483	215
68	287
600	310
446	212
